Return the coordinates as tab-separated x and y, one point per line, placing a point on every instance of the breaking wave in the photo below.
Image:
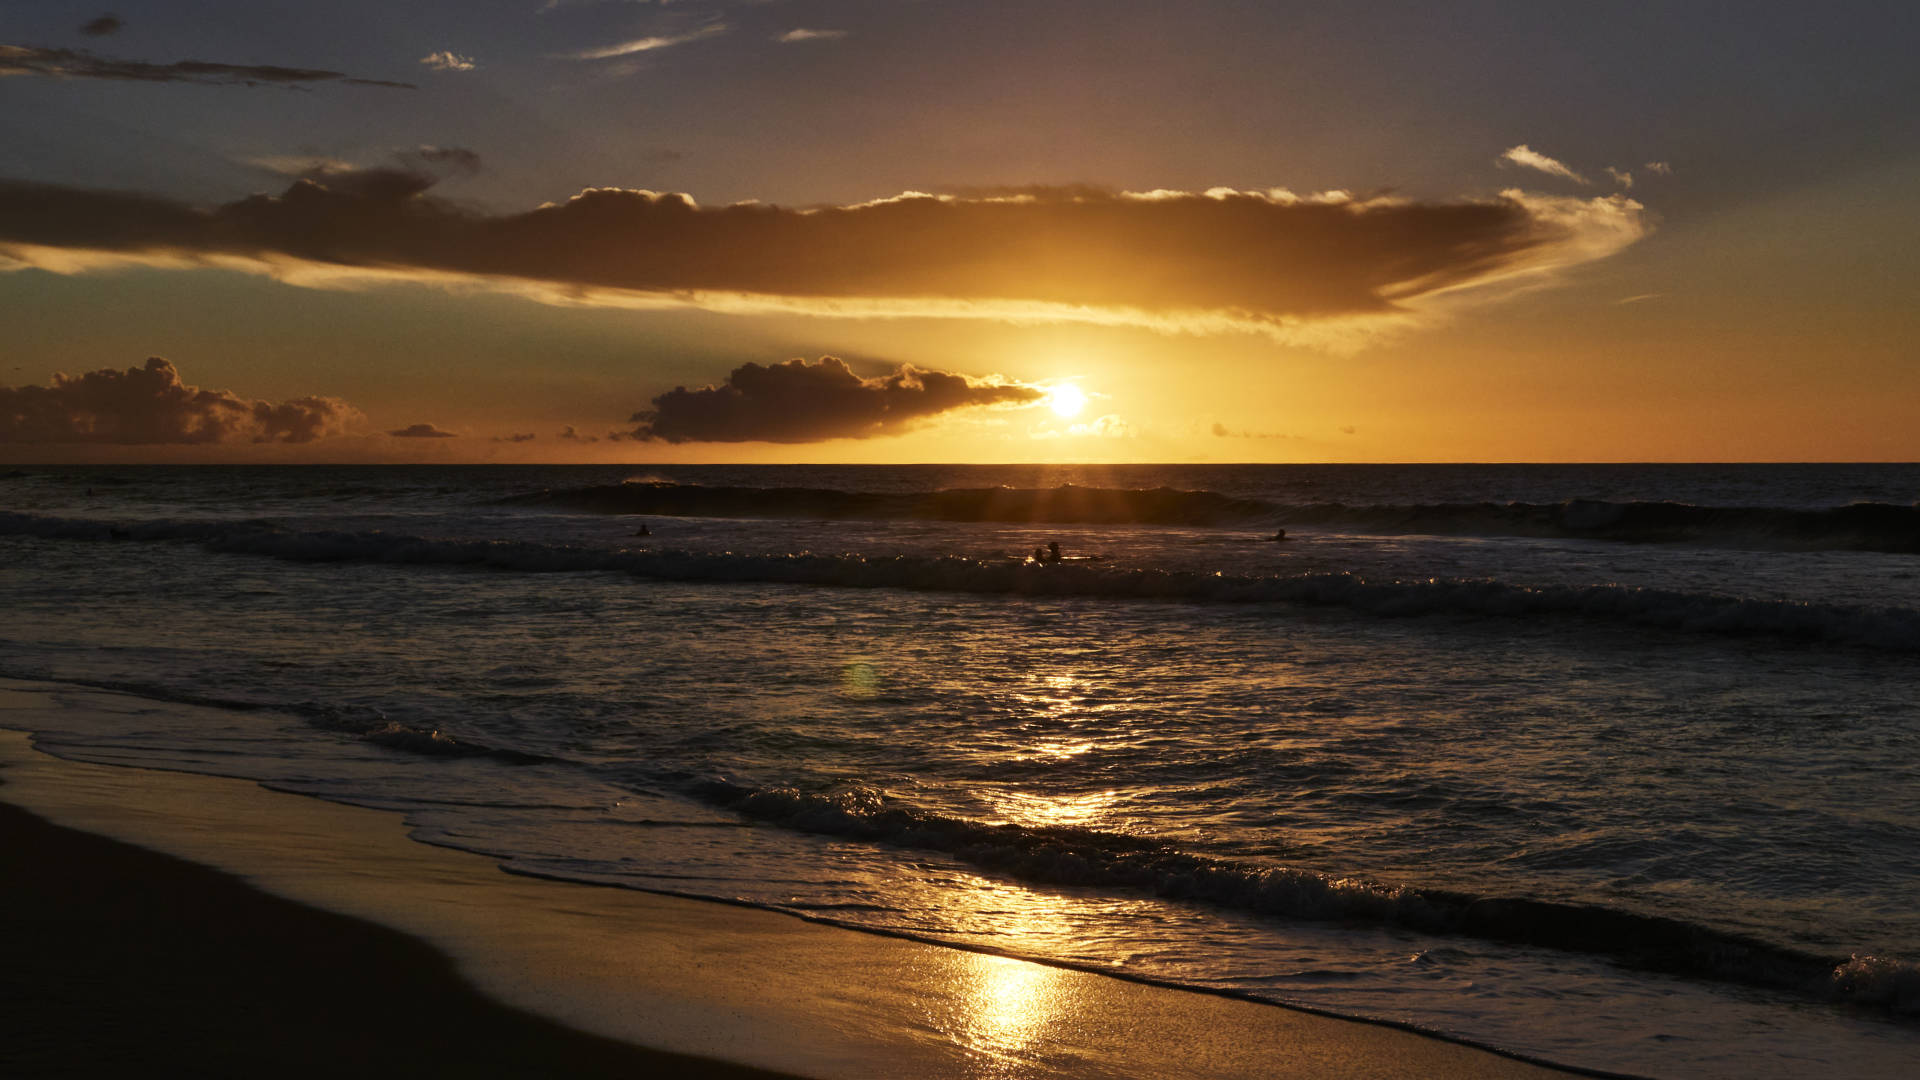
1090	858
1890	628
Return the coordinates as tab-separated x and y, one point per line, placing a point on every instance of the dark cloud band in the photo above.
1239	257
81	64
422	431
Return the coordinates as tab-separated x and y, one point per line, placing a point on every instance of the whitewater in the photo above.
1609	766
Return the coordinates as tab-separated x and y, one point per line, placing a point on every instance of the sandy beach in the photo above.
163	918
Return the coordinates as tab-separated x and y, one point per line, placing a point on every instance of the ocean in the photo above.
1616	767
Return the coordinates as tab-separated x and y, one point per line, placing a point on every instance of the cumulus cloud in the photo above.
648	44
1528	158
804	34
1621	177
1219	260
1659	168
151	405
102	26
422	431
447	60
81	64
797	401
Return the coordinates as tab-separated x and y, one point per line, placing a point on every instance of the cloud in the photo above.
804	34
1659	168
797	401
150	404
1110	426
1224	432
403	173
1297	268
1621	177
447	60
1528	158
102	26
422	431
81	64
517	437
569	434
648	44
439	161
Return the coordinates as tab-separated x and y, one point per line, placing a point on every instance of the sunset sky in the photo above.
891	231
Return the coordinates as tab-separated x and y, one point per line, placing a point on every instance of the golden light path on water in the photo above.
1008	1011
1010	1005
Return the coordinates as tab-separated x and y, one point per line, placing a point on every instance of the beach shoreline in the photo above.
591	973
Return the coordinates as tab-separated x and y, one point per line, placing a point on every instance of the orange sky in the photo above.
1258	238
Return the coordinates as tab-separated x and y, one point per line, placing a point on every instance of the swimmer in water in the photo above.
1279	535
1053	551
644	531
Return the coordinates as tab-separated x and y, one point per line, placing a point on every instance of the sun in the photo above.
1066	400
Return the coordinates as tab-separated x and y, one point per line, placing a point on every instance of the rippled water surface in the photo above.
1631	802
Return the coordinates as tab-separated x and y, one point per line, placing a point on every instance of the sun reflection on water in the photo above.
1006	1009
1036	810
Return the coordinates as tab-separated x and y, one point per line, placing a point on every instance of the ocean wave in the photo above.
1086	858
1887	982
1889	628
371	725
1066	504
1882	527
368	724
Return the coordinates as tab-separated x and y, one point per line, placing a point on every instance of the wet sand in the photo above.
250	931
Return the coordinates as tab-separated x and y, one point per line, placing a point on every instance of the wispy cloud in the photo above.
103	26
150	405
804	34
1621	177
413	169
1659	168
1222	431
447	60
81	64
1528	158
798	401
649	44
